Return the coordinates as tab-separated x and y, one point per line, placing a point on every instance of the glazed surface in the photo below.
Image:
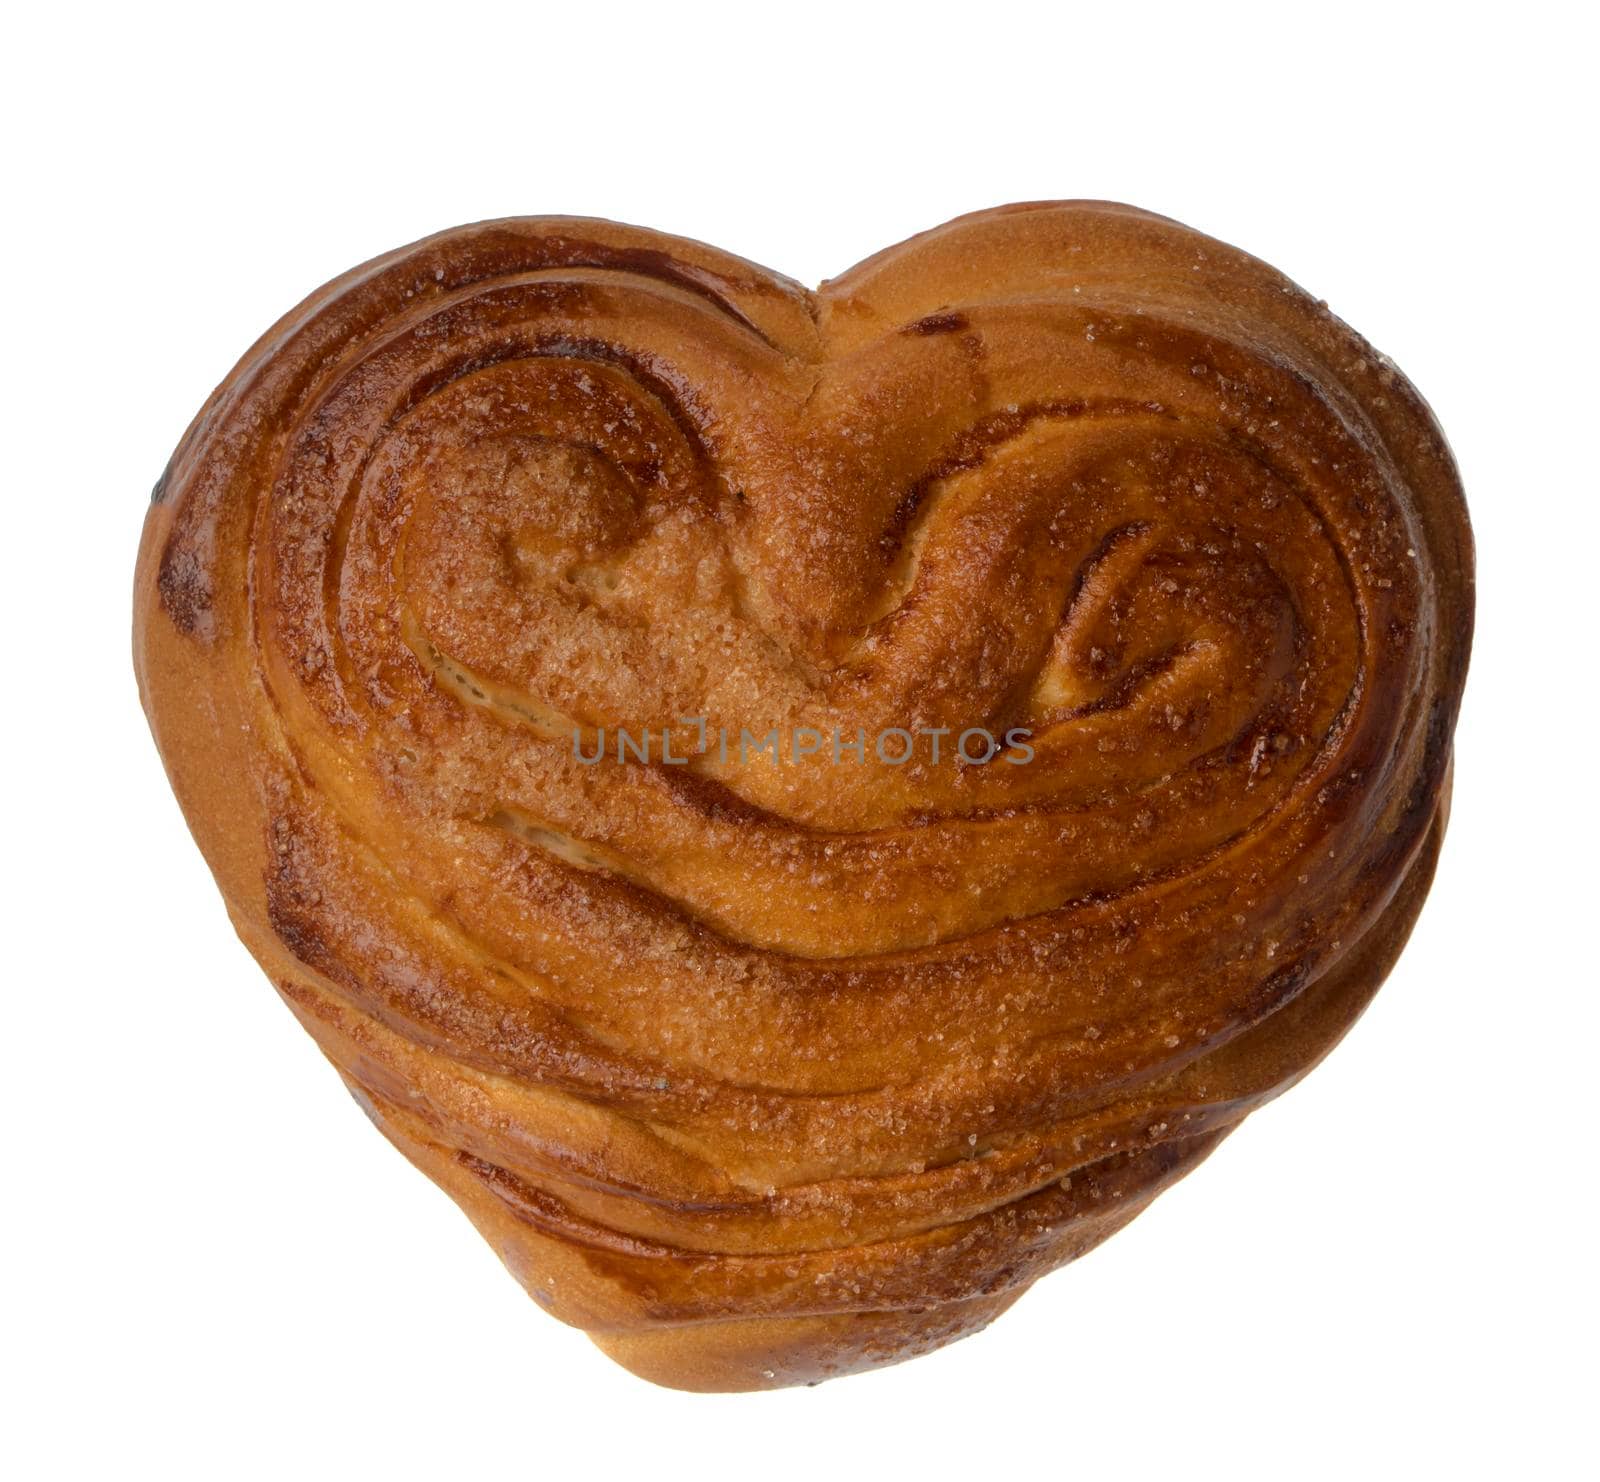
767	1069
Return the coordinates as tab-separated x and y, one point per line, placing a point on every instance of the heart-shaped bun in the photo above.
549	627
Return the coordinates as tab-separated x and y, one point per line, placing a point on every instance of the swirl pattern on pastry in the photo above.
767	1063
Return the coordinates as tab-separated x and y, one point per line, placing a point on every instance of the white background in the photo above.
215	1268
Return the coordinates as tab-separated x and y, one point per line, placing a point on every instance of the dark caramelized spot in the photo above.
947	322
185	588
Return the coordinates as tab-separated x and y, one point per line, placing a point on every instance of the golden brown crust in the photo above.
763	1071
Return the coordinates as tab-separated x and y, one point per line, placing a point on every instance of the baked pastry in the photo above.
765	1044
